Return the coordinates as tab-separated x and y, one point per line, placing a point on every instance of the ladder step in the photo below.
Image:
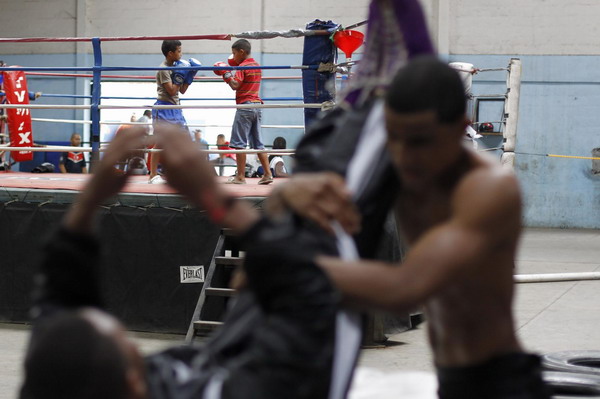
228	292
229	260
228	233
207	325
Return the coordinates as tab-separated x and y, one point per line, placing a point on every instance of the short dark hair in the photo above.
279	143
242	44
169	45
69	359
427	84
147	112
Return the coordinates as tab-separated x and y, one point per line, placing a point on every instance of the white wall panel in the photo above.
538	27
161	18
33	18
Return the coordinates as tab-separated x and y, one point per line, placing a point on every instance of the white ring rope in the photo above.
75	121
58	148
72	121
237	106
556	277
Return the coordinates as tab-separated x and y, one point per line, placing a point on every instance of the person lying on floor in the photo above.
78	350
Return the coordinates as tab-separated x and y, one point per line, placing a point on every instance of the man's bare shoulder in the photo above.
488	193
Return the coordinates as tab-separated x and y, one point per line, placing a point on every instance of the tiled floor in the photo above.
550	317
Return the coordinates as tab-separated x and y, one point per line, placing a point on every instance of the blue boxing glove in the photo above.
189	77
178	75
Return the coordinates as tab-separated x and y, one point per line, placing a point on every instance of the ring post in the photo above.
95	111
315	85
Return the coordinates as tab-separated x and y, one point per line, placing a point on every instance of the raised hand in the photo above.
319	197
106	180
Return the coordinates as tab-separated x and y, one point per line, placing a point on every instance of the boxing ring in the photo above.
147	218
154	231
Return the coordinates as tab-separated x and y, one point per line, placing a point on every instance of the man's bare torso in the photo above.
470	319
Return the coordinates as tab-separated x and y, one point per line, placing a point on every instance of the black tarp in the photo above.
143	249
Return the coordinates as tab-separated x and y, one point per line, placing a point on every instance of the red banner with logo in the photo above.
19	119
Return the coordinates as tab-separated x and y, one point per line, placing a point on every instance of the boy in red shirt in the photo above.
246	125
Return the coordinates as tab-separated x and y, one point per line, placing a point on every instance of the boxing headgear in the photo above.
231	61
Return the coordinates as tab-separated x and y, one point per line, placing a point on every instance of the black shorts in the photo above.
510	376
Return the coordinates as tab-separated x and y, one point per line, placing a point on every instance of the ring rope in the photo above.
490	69
89	149
291	33
75	122
148	77
490	95
110	39
571	157
154	98
556	277
95	106
558	156
224	106
132	68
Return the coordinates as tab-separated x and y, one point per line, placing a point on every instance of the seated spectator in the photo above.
73	161
223	159
276	162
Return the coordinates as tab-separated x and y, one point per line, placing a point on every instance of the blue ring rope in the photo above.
154	98
129	68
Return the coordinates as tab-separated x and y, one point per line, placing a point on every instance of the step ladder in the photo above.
216	292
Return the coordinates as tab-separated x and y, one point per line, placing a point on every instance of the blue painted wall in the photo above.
559	114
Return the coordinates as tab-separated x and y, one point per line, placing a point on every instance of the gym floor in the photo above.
550	317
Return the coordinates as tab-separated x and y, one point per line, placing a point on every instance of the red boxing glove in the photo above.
220	72
231	61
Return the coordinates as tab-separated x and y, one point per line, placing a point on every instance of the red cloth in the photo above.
227	147
250	83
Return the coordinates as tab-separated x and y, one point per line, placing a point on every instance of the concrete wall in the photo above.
560	96
87	18
559	44
557	40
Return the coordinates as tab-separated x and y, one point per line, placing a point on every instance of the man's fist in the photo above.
189	77
228	77
178	75
231	61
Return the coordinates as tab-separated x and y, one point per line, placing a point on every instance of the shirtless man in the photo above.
460	214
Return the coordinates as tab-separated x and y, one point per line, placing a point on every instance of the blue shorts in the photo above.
246	129
174	116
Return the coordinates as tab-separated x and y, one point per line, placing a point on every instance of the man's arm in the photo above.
190	173
61	163
234	79
183	88
234	83
280	170
485	216
174	89
70	262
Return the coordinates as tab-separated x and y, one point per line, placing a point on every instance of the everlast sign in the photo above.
191	274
